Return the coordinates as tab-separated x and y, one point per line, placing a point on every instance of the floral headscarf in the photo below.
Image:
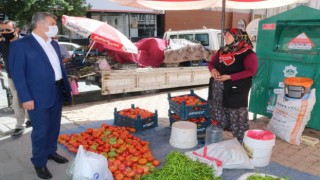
240	45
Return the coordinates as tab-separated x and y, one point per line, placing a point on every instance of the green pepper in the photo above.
179	166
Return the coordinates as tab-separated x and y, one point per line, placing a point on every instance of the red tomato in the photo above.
121	158
128	163
140	171
156	162
105	149
130	173
137	153
113	168
144	143
137	176
100	148
132	150
89	130
117	162
118	176
134	159
121	167
143	161
110	161
116	145
146	169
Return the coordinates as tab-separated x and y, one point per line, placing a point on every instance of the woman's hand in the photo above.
223	78
215	73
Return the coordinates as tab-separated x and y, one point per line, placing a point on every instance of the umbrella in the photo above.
100	32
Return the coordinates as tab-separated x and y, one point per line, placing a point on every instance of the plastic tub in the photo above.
259	145
183	135
297	87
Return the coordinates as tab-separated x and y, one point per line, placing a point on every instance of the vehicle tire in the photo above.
98	81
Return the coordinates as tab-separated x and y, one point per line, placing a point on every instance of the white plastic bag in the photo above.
90	166
230	152
210	161
289	118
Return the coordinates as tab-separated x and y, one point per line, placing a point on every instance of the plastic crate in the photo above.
201	126
138	123
185	111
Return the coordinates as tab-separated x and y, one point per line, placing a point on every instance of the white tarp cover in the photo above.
203	4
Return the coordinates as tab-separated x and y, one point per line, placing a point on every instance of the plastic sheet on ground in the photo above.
160	147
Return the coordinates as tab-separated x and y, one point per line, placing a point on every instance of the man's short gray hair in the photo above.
40	16
13	23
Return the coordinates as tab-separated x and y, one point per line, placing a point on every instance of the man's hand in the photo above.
223	78
29	105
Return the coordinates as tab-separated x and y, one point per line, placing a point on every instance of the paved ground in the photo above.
15	153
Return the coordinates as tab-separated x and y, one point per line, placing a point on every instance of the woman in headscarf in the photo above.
232	68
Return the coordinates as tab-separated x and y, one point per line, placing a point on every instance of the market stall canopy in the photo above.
254	4
203	4
100	32
167	4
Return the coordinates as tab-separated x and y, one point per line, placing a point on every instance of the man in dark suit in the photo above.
42	85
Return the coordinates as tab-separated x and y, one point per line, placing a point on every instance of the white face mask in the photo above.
53	30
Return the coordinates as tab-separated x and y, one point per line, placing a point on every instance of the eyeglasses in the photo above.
6	30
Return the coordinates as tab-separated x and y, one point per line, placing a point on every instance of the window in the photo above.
141	17
152	17
203	39
173	37
188	37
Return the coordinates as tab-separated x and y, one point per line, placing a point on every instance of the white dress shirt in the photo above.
52	55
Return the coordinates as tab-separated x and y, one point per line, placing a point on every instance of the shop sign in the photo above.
268	26
302	41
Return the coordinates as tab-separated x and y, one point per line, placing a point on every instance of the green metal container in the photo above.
288	45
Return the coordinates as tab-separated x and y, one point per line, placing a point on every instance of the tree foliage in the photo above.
22	10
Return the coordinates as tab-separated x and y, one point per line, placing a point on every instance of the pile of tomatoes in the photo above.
189	100
128	156
134	112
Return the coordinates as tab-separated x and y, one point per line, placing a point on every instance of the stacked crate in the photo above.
135	121
189	107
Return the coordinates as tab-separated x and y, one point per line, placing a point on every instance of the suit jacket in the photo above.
32	73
